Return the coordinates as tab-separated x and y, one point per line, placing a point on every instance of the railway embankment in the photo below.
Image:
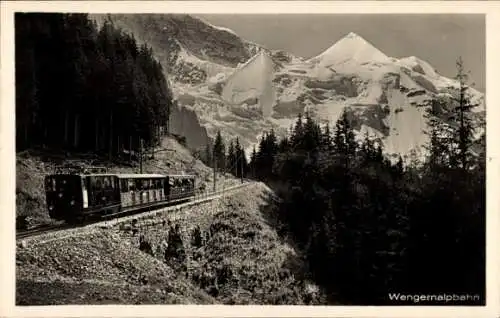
224	251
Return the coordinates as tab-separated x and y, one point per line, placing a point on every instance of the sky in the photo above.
438	39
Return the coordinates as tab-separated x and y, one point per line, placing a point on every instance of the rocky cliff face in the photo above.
184	122
208	65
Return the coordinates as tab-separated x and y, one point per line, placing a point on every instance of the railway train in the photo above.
73	197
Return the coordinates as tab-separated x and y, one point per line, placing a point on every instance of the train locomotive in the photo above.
73	197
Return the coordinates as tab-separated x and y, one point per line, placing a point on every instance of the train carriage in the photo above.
180	187
73	196
141	190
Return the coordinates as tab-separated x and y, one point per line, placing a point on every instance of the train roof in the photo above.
124	175
152	175
139	175
82	174
181	175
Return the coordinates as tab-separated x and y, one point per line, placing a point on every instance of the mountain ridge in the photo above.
386	97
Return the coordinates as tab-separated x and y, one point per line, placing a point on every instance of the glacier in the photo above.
252	80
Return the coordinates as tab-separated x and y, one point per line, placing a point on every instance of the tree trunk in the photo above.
45	135
77	131
66	120
26	142
110	135
130	149
97	134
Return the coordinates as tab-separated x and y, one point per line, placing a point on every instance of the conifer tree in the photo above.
344	140
252	164
298	132
219	152
208	155
462	118
95	88
326	138
239	158
231	159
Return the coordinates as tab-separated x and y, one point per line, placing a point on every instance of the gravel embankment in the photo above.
100	268
241	261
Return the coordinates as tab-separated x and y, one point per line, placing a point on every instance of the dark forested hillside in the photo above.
371	227
83	88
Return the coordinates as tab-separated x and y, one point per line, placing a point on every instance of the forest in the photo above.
370	226
81	87
231	160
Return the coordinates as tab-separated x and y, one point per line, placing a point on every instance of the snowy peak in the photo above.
351	47
251	84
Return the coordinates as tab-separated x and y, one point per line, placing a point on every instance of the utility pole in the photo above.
140	155
130	149
215	168
241	165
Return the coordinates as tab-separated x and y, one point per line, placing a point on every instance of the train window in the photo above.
97	183
131	184
123	185
171	181
108	183
51	184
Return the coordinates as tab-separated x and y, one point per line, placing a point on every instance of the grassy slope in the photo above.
242	262
33	165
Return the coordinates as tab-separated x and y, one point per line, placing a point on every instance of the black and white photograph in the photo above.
325	159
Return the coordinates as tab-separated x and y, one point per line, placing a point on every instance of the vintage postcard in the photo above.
234	159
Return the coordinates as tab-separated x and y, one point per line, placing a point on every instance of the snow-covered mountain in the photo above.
240	88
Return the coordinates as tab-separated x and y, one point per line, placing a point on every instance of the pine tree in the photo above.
208	155
231	159
462	119
95	89
252	164
326	138
439	137
219	152
298	132
344	142
239	156
312	135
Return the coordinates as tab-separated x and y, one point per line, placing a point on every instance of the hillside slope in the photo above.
241	261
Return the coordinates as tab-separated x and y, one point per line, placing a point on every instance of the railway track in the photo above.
39	230
198	199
